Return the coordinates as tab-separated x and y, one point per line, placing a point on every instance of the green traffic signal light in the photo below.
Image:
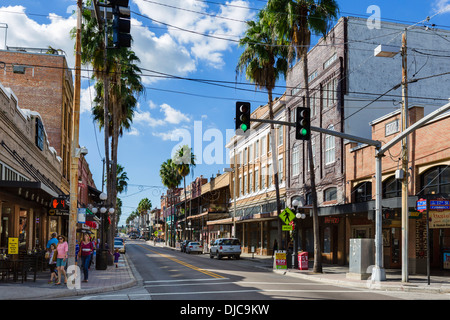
304	132
243	116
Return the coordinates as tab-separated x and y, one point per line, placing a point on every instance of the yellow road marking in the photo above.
209	273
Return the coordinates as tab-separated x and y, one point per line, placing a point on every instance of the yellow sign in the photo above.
13	245
280	260
287	215
286	227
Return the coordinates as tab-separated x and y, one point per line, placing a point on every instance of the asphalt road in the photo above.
172	275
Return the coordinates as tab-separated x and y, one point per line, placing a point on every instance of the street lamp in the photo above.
101	256
298	216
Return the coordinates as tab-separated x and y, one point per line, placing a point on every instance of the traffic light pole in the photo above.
75	141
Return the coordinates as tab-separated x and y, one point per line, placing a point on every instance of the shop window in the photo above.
392	188
363	192
436	180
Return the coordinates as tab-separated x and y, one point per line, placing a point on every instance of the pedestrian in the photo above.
52	240
52	263
86	250
61	258
116	257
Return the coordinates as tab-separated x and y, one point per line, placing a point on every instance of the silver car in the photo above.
194	247
229	247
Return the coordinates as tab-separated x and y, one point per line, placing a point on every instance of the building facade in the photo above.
30	176
42	81
348	87
254	203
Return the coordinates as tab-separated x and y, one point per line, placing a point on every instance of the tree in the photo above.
118	68
294	20
184	159
144	206
170	178
263	63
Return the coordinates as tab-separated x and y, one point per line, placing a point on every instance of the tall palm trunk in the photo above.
275	166
317	252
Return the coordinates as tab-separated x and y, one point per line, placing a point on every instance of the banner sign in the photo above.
280	260
439	219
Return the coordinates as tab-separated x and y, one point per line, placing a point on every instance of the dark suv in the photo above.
184	244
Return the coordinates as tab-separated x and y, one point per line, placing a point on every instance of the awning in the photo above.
41	182
29	190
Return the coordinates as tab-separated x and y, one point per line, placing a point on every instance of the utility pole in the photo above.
404	160
75	141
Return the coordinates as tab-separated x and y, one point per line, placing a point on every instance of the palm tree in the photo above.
120	70
295	20
264	62
144	206
170	178
184	158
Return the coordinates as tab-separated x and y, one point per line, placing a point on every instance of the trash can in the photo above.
101	262
303	260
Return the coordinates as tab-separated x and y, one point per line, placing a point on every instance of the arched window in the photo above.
330	194
330	153
392	188
435	180
363	191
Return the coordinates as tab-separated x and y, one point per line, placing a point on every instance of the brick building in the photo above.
429	161
251	157
42	81
30	176
349	86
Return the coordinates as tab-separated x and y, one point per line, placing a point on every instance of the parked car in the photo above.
194	247
133	236
119	244
184	244
229	247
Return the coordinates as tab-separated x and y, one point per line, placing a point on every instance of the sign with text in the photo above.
280	260
13	245
439	219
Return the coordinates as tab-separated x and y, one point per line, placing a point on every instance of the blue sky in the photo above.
169	39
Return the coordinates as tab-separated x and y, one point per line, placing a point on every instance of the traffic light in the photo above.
121	23
303	124
243	116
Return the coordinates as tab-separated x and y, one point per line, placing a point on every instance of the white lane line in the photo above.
243	283
257	290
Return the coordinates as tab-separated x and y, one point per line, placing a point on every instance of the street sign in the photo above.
286	227
287	216
439	204
13	245
58	212
421	205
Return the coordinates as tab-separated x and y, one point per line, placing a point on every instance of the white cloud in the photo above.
201	19
442	5
172	135
54	34
171	116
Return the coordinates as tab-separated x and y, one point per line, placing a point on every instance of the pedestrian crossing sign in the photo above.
287	215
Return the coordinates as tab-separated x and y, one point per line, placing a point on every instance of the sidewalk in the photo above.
100	281
333	274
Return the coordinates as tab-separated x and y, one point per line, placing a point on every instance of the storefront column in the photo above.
30	229
261	238
15	222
